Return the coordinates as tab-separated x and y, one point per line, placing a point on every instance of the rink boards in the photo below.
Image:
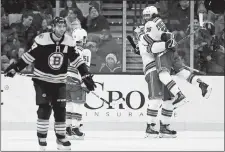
19	107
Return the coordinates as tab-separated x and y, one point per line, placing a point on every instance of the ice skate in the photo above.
77	134
180	100
166	132
69	132
151	131
63	144
42	144
206	89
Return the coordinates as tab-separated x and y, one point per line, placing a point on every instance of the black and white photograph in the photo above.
112	75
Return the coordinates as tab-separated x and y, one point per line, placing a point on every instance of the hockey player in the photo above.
157	39
76	94
50	54
158	93
162	44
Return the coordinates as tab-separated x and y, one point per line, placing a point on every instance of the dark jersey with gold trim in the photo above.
51	59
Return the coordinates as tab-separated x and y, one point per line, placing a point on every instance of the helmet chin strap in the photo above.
57	35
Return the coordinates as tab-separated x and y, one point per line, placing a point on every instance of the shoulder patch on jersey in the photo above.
155	19
34	46
79	48
43	39
68	40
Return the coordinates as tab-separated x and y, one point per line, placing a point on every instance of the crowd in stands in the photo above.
208	42
18	33
22	20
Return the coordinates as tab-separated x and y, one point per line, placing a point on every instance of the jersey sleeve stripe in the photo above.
29	56
27	59
150	42
72	70
79	63
156	19
76	63
149	66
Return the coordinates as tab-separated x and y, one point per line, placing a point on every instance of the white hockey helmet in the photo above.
79	36
148	12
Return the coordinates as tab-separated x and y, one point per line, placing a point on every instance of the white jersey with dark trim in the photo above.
152	33
148	59
51	58
86	55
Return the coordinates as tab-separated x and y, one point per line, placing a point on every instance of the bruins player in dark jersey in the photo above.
51	54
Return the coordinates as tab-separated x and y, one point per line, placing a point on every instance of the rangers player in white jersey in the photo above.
157	39
158	93
76	90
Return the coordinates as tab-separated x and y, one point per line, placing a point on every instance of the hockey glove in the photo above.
170	44
137	50
167	36
10	70
88	81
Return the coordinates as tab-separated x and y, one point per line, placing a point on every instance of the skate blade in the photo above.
74	137
151	135
167	136
181	103
42	148
207	95
61	147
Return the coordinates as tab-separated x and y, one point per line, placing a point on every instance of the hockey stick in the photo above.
130	39
195	70
71	83
184	38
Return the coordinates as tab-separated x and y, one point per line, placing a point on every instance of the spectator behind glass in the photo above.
217	56
216	12
109	45
40	9
180	18
71	4
26	33
45	27
96	61
94	21
70	18
110	65
202	42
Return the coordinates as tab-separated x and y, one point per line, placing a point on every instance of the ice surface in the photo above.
118	140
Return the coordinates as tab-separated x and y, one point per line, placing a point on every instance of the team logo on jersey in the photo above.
55	60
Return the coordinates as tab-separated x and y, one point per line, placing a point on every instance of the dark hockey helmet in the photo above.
58	20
